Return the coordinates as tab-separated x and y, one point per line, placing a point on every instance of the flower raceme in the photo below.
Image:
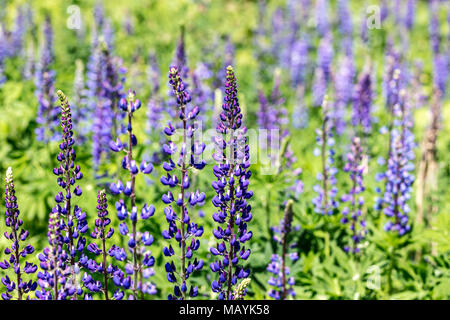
278	264
326	190
352	213
180	224
17	288
141	266
103	233
68	223
231	187
47	116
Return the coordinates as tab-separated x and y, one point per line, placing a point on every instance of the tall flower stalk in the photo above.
103	233
399	174
54	272
47	117
17	288
181	227
326	190
362	103
233	174
281	282
140	267
352	213
68	173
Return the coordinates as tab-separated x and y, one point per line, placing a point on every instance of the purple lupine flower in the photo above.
107	120
3	54
112	89
384	11
154	114
180	224
142	264
419	96
319	87
345	19
180	61
128	23
322	17
441	72
325	55
30	61
153	73
391	79
362	103
278	34
99	14
399	175
410	13
282	285
352	213
80	110
300	117
108	34
201	92
94	73
261	43
226	58
325	202
440	59
17	251
54	270
299	60
18	33
233	174
180	58
291	30
364	32
435	35
68	173
344	86
267	119
47	117
277	101
155	109
103	232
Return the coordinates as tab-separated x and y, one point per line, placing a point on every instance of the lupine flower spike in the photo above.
68	173
282	285
352	213
398	176
181	227
47	117
17	288
233	211
54	263
325	202
103	233
141	267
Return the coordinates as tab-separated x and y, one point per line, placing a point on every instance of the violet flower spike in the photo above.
103	233
68	174
282	285
54	262
47	117
181	227
141	266
399	175
233	174
325	202
352	213
17	288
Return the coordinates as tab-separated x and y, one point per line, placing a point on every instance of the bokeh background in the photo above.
260	34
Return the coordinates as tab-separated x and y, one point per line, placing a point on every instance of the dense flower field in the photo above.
199	149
